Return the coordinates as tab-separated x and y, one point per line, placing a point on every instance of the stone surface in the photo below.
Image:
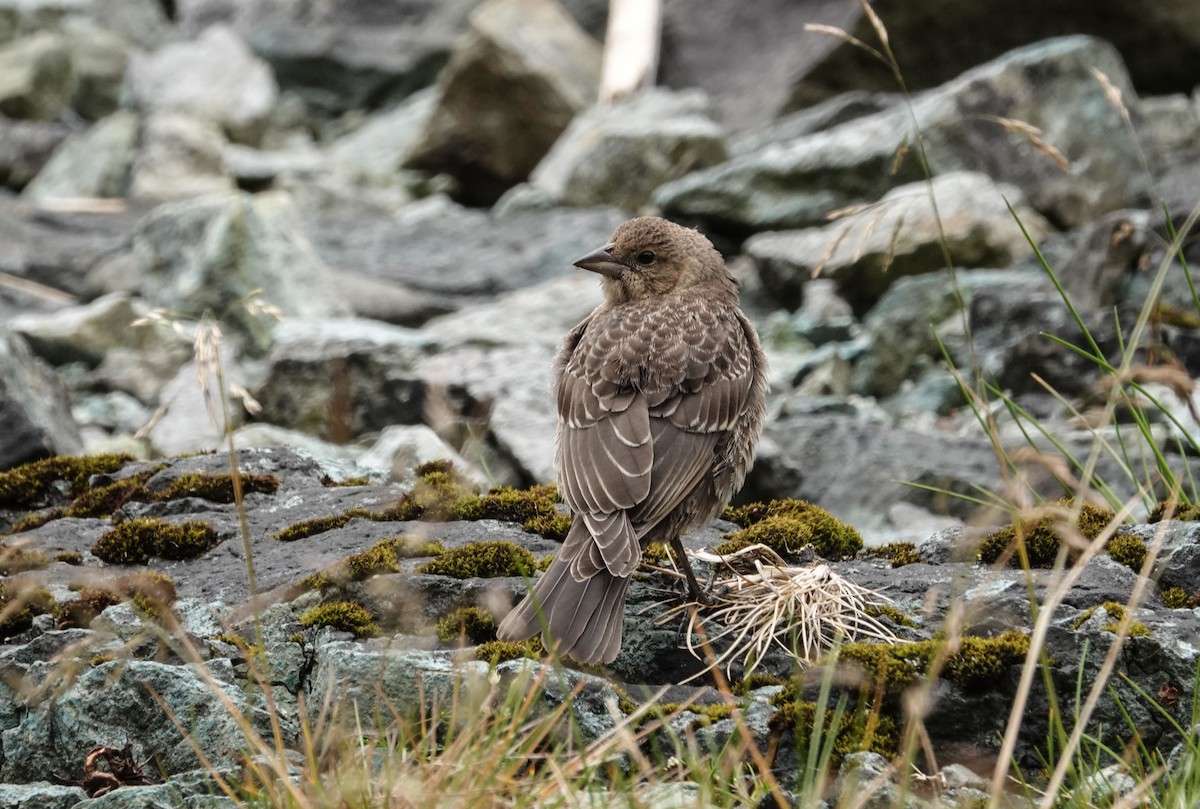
381	146
902	234
215	78
618	154
37	80
35	414
179	157
1048	85
94	163
40	794
25	146
99	56
509	91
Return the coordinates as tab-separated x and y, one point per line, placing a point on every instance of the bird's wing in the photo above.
631	448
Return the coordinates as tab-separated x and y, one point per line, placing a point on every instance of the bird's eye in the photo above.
645	257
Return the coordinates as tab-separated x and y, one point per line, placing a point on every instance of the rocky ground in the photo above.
407	182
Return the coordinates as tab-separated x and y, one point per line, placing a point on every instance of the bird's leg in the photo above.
694	590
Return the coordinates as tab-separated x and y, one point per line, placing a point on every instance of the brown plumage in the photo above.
660	394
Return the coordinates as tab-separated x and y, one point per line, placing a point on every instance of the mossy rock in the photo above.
23	604
217	487
482	560
31	485
346	616
1177	598
978	664
16	559
501	651
709	712
787	526
1117	612
854	731
1165	510
135	542
898	553
472	623
1129	550
151	593
893	614
1039	538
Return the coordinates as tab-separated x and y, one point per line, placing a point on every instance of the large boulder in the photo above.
35	414
1000	119
512	86
215	78
618	154
866	251
208	254
379	148
37	79
94	163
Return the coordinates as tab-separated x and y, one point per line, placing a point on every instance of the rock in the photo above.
209	253
111	704
456	254
1178	562
379	148
401	448
194	411
541	314
1049	86
37	80
618	154
1150	43
94	163
215	78
87	333
818	118
866	251
340	378
99	57
159	796
25	146
1108	253
911	316
35	414
510	89
179	156
39	795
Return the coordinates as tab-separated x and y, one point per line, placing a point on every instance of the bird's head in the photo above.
649	256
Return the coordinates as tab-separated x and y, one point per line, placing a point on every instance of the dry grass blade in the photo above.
831	249
899	155
801	611
838	33
876	23
1033	136
1113	94
893	241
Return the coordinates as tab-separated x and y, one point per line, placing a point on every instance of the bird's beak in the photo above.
602	261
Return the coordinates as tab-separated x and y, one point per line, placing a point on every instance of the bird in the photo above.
660	395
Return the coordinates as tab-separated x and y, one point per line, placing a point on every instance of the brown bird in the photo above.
660	393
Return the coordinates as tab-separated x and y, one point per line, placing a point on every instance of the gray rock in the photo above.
159	796
540	314
1106	257
379	148
215	78
192	418
401	448
40	794
1049	85
25	146
910	317
826	115
340	378
618	154
209	253
35	415
112	704
509	91
99	56
179	156
87	333
257	168
1178	562
37	80
94	163
866	251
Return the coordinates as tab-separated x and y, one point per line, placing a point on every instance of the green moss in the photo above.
21	560
476	625
101	659
979	663
32	484
755	681
894	614
134	542
534	508
786	526
1129	550
1165	510
318	525
330	483
101	501
217	488
709	712
1117	612
411	546
482	560
1040	537
151	593
544	563
346	616
499	651
858	730
25	603
379	558
657	554
1177	598
69	557
898	553
317	581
